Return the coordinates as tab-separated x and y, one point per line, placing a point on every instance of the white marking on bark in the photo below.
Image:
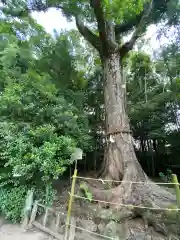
111	139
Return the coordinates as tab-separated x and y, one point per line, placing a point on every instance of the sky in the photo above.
53	19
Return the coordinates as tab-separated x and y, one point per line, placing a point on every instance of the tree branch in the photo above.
98	11
159	8
87	34
105	28
138	32
127	26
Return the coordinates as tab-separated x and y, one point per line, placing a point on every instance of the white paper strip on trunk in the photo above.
111	139
77	154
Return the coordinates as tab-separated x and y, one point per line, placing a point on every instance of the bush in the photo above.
39	129
12	200
167	176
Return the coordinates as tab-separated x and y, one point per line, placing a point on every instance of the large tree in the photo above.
110	21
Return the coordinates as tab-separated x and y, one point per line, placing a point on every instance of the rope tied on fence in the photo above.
174	183
131	182
127	205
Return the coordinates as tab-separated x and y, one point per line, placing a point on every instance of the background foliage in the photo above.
41	111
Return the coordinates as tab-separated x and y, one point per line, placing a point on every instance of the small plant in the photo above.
85	190
167	176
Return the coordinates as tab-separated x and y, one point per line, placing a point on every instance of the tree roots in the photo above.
146	200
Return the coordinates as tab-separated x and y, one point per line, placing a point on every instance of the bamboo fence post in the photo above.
70	202
27	209
176	187
33	213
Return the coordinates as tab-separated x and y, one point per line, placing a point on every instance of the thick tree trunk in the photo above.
120	159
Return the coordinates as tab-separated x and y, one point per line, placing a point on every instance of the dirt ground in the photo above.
15	232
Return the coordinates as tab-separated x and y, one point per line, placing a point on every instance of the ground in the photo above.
10	231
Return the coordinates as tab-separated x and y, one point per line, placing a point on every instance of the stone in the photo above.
86	236
173	238
104	214
145	236
87	225
115	215
140	235
101	228
111	229
157	238
116	230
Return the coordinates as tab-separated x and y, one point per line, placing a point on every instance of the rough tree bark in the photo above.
119	150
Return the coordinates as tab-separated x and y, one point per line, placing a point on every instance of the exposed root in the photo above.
135	194
148	195
122	165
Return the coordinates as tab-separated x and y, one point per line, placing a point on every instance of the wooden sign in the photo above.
77	154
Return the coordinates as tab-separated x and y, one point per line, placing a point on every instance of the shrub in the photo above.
167	176
85	190
39	129
12	200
